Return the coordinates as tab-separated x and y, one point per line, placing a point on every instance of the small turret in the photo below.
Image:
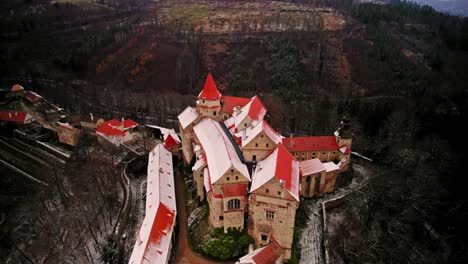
343	135
209	99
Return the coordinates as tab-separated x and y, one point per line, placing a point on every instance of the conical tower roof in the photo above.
209	92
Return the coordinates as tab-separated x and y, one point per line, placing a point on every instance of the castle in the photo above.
250	175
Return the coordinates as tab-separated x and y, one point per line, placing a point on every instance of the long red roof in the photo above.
310	143
229	102
269	254
17	117
109	130
162	224
235	189
209	92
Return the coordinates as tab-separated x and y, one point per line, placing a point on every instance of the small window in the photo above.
254	157
227	178
256	145
302	158
214	113
221	218
237	177
267	190
333	152
308	179
279	193
261	136
303	154
323	153
288	204
245	124
314	154
270	215
267	145
203	100
264	237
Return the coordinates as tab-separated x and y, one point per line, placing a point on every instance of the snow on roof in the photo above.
209	92
166	131
108	129
312	166
220	153
330	166
114	122
264	255
314	143
153	242
199	164
263	126
254	109
170	142
16	117
280	164
230	102
187	117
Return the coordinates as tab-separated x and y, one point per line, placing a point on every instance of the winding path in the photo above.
184	253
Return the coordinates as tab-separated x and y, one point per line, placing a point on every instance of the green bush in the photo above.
228	245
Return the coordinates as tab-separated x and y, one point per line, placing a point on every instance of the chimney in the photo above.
91	116
281	182
250	248
236	110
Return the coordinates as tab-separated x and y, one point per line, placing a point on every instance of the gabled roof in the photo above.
114	122
16	117
264	255
209	92
230	102
166	132
128	123
280	164
312	166
263	126
200	163
170	142
254	109
310	143
187	117
154	238
106	129
220	154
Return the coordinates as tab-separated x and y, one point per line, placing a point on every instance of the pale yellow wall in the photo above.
244	124
283	205
258	147
216	210
210	109
323	155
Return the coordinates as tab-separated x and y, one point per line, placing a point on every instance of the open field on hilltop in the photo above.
251	17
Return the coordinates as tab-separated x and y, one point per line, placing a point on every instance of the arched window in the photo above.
233	204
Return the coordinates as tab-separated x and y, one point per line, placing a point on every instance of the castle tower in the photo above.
209	100
343	135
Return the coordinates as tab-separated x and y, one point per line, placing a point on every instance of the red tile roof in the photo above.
310	143
162	224
108	130
235	189
128	123
209	92
257	110
170	142
269	254
285	169
229	102
17	117
114	122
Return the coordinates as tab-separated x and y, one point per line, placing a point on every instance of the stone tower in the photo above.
209	100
